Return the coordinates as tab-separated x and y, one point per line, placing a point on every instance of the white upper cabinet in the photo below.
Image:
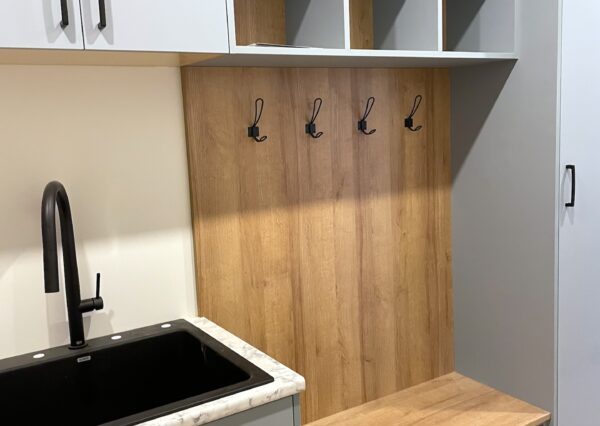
155	25
40	24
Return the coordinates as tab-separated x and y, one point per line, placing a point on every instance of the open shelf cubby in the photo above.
305	23
368	33
396	24
480	25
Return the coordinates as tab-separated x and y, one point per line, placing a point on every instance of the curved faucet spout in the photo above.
55	196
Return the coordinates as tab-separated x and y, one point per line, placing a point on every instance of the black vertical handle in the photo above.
98	285
64	10
571	203
102	8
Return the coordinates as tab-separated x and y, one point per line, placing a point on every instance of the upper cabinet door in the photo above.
156	25
41	24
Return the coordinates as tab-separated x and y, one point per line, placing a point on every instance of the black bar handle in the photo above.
64	10
102	8
571	203
98	285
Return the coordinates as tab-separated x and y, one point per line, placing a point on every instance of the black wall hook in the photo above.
362	124
311	127
254	131
409	122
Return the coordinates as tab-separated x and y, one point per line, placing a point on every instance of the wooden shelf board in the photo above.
450	400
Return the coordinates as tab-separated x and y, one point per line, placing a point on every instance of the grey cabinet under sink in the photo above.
285	412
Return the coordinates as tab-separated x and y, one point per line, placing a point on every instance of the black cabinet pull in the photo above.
64	10
102	8
571	203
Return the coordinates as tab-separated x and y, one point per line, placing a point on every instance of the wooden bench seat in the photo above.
450	400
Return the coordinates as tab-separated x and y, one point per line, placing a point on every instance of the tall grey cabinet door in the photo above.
579	224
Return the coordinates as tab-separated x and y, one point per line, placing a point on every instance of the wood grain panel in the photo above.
260	21
451	400
330	254
241	215
361	24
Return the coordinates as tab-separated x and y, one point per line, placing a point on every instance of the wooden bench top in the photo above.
450	400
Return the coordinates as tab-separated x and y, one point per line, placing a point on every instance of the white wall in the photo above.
114	136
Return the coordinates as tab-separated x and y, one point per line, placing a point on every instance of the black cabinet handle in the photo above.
571	203
64	10
102	8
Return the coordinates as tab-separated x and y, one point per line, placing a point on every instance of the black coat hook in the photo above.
409	122
362	124
254	131
311	127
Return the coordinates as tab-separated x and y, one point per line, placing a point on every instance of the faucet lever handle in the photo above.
98	285
94	303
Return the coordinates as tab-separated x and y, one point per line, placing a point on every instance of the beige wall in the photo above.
114	136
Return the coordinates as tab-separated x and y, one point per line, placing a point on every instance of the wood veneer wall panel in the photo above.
330	254
440	196
361	24
234	224
378	284
260	21
331	347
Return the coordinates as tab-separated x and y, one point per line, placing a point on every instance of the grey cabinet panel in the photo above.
504	149
296	401
278	413
579	227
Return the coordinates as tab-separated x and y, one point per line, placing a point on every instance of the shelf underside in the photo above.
355	58
258	57
90	57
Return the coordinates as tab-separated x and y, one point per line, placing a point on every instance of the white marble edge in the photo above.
286	383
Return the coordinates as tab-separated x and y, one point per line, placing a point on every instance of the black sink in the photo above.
147	373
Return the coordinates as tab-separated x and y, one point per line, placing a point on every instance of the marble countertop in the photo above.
286	383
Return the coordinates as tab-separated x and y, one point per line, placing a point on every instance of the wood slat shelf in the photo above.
450	400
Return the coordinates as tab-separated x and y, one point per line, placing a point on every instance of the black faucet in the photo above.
56	195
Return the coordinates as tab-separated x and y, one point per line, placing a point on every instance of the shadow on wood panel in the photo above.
218	131
332	254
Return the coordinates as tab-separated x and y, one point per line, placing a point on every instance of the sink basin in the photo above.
144	374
